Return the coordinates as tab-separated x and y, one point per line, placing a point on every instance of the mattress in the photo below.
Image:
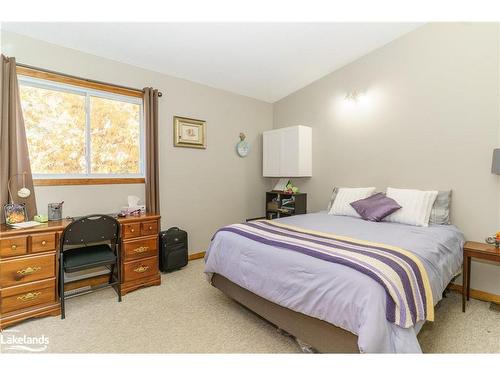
332	292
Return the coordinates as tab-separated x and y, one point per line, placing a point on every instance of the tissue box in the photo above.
128	209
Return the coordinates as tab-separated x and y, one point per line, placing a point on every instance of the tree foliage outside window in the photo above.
115	136
64	141
55	129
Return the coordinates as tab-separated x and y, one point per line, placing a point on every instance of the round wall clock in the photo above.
242	147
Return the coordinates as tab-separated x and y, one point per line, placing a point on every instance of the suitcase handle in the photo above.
173	228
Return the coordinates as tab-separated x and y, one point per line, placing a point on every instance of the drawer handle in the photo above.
44	243
141	249
132	230
13	247
141	269
29	296
150	227
29	271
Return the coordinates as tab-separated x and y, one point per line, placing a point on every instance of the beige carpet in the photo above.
187	315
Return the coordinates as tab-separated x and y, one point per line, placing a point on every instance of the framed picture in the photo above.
189	132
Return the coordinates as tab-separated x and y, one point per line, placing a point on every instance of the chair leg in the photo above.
116	267
61	286
118	287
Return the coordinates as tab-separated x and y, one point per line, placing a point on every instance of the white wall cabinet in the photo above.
287	152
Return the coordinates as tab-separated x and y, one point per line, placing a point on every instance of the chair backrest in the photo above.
91	229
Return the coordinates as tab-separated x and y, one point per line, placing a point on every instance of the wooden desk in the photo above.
475	250
29	265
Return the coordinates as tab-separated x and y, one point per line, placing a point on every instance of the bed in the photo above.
331	307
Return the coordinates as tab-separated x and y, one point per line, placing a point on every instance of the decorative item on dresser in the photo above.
29	265
16	212
480	251
279	204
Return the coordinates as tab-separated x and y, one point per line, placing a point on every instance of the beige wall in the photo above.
430	121
201	190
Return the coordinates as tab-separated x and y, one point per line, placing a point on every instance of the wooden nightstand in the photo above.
475	250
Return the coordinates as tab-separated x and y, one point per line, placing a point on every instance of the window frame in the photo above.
89	178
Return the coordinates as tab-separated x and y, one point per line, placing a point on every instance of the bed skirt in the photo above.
321	335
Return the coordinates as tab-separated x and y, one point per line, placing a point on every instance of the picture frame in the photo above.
189	132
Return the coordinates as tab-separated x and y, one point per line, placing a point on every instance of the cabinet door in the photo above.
271	154
305	151
290	153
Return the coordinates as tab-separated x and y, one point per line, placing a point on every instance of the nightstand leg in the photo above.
468	276
464	283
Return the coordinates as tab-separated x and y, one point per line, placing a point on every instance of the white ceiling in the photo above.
266	61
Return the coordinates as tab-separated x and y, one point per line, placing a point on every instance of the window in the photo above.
76	133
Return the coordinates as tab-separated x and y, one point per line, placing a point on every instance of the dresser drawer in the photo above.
13	246
140	268
141	248
149	228
43	242
29	295
131	230
19	271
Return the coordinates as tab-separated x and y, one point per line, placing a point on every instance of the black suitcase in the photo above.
173	249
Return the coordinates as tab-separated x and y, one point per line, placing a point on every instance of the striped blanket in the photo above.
398	271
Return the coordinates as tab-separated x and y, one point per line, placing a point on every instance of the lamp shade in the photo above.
495	164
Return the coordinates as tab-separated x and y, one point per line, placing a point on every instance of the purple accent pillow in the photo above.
375	207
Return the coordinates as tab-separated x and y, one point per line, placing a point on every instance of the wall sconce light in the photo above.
354	96
495	164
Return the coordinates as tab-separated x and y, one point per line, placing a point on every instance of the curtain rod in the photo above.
160	94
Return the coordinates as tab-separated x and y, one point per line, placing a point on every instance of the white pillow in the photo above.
342	203
416	206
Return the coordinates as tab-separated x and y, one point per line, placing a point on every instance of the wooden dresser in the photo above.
139	246
29	265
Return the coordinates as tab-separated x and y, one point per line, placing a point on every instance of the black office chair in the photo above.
88	242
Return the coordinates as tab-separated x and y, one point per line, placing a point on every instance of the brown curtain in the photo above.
14	156
152	169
